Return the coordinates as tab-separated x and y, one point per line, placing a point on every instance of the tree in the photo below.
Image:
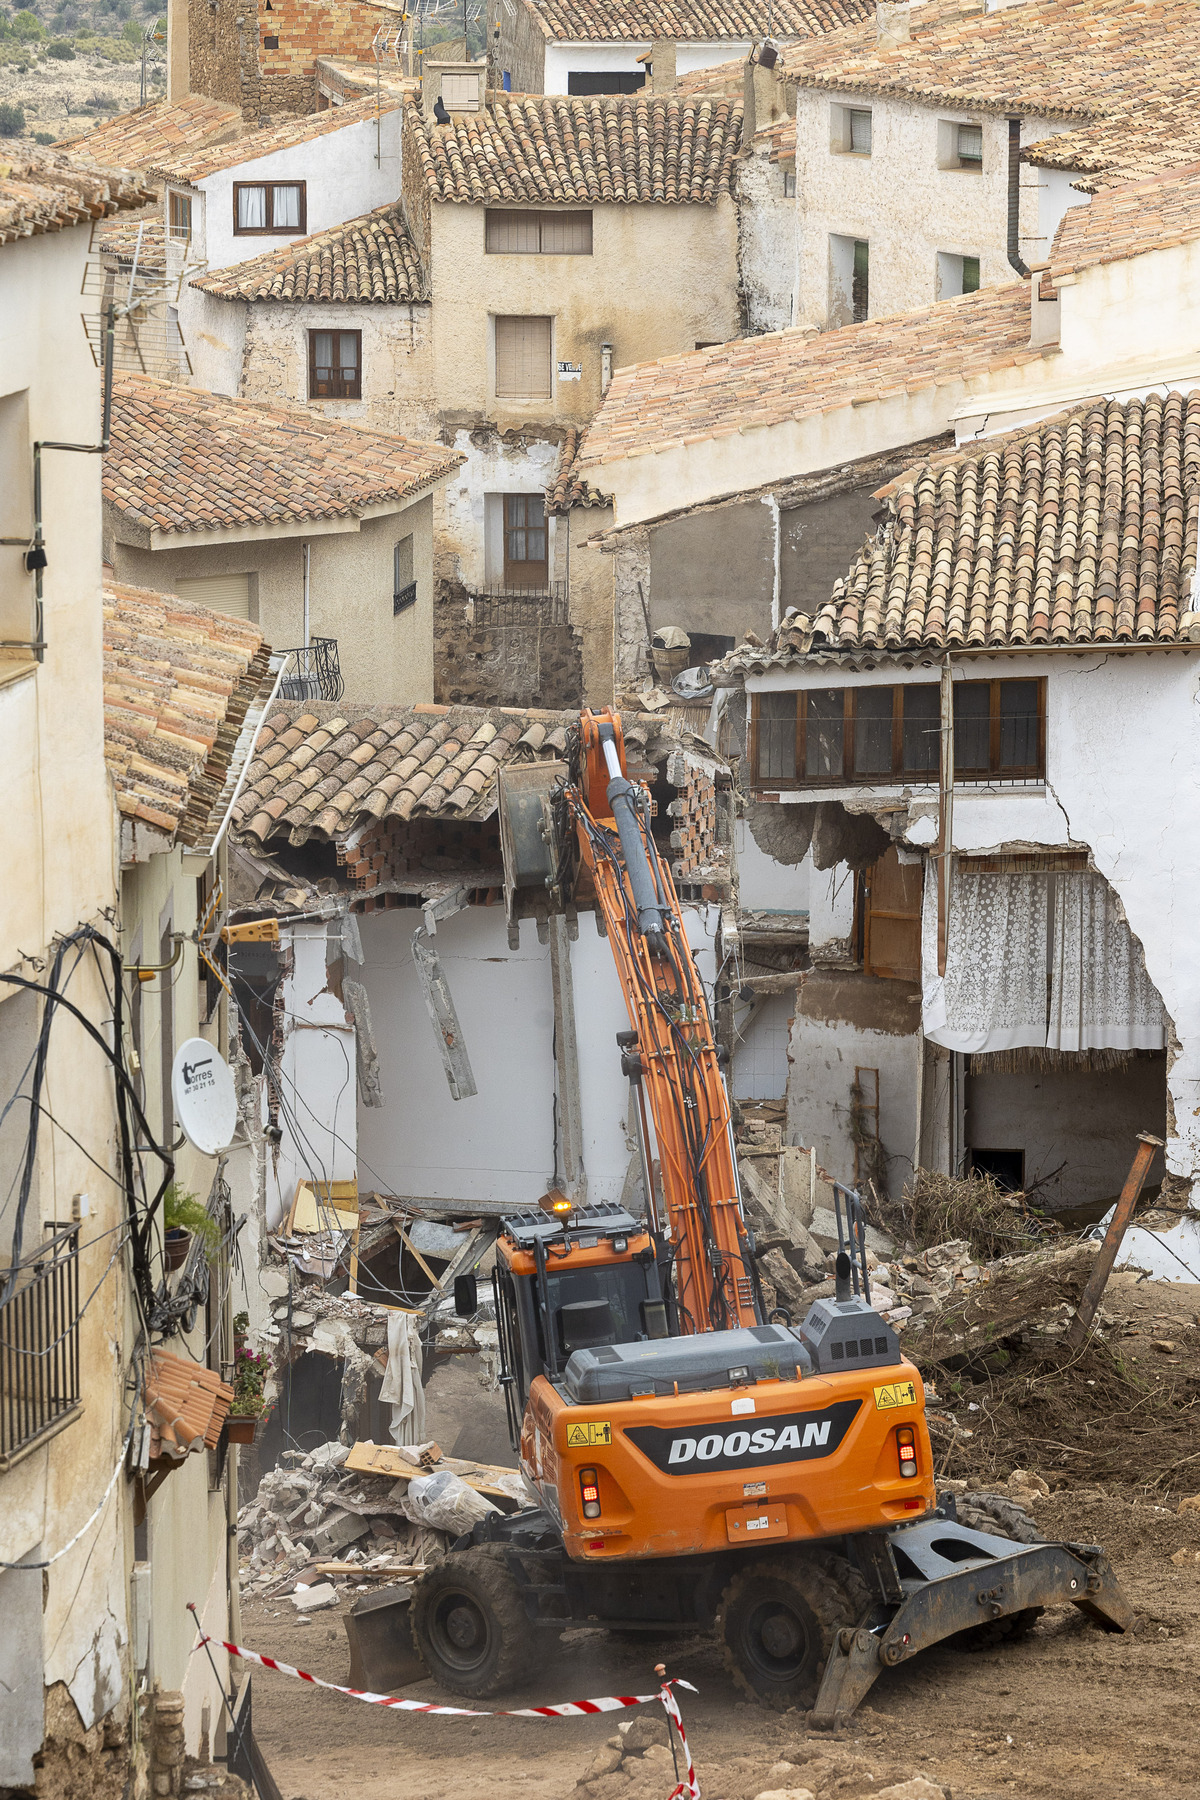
12	119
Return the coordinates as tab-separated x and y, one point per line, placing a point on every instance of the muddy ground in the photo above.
1068	1714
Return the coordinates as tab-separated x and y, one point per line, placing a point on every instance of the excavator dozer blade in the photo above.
963	1578
383	1656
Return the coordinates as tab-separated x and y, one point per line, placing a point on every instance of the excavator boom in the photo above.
671	1054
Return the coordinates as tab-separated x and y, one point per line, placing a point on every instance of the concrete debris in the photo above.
315	1511
315	1599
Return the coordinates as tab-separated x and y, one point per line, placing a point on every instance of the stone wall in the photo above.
532	664
228	58
521	48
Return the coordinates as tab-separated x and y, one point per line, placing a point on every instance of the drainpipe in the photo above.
307	548
1014	198
606	353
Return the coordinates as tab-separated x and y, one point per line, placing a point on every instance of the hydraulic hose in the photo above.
622	798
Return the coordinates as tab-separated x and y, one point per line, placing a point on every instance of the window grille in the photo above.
39	1348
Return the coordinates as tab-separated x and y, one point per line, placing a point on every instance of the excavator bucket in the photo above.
952	1579
382	1654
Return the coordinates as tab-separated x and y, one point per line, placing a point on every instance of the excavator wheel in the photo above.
469	1623
778	1620
999	1517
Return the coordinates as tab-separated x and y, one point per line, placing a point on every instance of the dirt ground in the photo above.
1068	1714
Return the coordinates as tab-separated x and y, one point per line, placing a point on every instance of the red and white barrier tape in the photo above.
568	1709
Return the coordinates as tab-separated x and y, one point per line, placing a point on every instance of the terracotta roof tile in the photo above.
370	260
1125	71
569	489
782	375
401	765
1128	221
150	134
551	149
1080	530
178	680
195	165
641	20
184	460
46	190
141	234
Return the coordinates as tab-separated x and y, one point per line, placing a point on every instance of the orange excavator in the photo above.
691	1463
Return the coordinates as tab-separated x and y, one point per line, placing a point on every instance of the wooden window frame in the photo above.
181	205
339	390
512	582
271	229
542	215
897	775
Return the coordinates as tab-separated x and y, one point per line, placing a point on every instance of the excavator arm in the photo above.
669	1053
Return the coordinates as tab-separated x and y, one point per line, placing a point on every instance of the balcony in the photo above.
496	604
39	1349
311	672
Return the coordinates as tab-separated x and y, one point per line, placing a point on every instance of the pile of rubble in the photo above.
312	1519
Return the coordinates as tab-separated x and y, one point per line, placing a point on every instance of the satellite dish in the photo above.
203	1092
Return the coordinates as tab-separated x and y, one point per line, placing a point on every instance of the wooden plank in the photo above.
439	1004
385	1459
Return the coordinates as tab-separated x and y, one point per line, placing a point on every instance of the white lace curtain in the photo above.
1035	961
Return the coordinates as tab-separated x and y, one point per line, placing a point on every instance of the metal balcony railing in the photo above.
312	672
496	604
39	1348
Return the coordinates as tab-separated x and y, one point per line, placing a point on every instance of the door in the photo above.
892	895
526	558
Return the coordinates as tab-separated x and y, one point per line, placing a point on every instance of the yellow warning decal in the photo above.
895	1393
582	1437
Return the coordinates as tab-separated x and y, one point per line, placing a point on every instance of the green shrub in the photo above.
131	31
12	119
183	1211
62	50
27	27
43	137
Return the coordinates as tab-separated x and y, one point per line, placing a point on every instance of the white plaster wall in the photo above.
824	1055
830	903
902	203
341	175
497	1146
563	59
1130	310
768	243
1056	197
214	336
317	1078
760	1053
765	885
468	551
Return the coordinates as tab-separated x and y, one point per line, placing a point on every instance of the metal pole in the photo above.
1098	1280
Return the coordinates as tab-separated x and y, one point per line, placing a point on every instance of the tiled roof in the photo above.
281	136
320	778
185	460
718	78
641	20
347	76
367	260
1125	71
150	134
569	489
761	381
44	190
1128	221
548	148
186	1405
145	236
178	680
1080	530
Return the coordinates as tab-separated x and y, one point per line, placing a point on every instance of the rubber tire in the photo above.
823	1594
998	1517
489	1601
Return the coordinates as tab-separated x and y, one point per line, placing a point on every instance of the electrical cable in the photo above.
102	1503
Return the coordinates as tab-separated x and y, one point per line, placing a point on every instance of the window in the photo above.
891	917
460	93
404	586
970	145
335	365
960	146
789	184
606	81
956	275
236	594
860	282
867	736
179	217
523	358
850	130
509	232
269	207
526	555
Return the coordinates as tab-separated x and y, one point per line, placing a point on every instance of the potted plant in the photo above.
249	1379
185	1217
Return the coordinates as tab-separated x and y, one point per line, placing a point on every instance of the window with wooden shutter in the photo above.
335	365
892	918
223	593
526	544
523	357
460	93
516	231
